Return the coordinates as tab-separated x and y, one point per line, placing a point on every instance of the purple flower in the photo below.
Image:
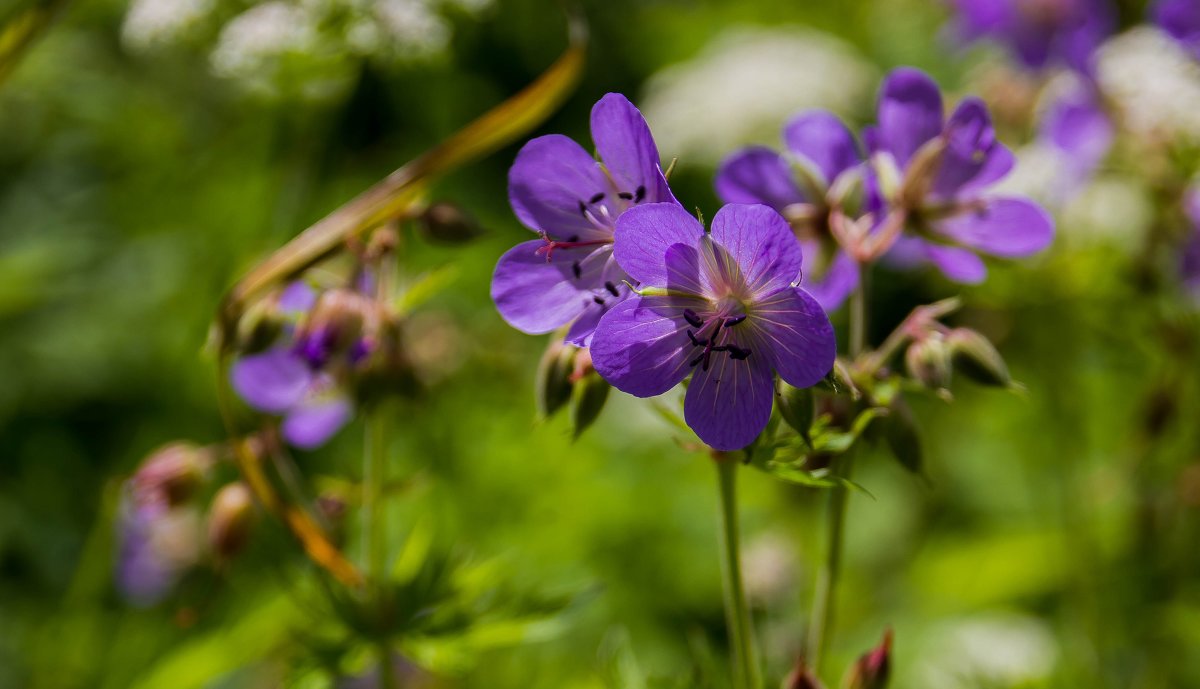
947	166
559	191
1181	20
795	183
1078	129
295	378
722	305
1038	32
157	544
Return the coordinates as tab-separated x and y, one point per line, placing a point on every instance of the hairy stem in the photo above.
746	672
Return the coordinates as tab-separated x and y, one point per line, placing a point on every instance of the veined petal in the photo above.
272	381
627	148
757	175
551	177
1007	227
536	295
644	233
973	157
793	333
641	347
820	138
910	112
584	327
310	424
959	265
761	243
729	404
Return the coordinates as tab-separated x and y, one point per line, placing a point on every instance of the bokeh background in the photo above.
151	152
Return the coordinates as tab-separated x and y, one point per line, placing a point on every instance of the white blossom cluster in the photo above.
1154	83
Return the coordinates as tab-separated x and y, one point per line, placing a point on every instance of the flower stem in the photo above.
746	672
375	533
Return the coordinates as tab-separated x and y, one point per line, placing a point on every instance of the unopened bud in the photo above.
587	401
230	520
976	357
928	361
801	677
797	406
873	668
446	223
173	473
553	383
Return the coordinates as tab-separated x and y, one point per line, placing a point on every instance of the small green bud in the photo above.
587	401
230	520
928	361
552	387
873	668
976	357
797	406
446	223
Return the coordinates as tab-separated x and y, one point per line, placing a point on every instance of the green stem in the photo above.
746	673
375	533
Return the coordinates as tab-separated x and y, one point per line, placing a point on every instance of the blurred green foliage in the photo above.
1052	544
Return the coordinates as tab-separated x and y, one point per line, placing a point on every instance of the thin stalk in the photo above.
746	672
375	533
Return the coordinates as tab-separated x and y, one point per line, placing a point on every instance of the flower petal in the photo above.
272	381
644	233
550	178
757	175
793	333
1008	227
641	347
956	264
835	284
626	146
820	138
535	295
761	243
316	420
910	112
973	157
297	298
729	404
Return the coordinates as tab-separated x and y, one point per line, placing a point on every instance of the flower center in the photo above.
715	333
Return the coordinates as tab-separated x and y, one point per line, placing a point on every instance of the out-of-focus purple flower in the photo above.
559	191
721	304
1180	19
157	543
795	183
1190	263
1038	32
1077	128
947	165
297	378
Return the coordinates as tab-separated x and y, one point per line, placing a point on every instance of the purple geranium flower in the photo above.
1038	32
293	378
819	149
157	544
562	193
1077	128
1180	19
947	166
723	305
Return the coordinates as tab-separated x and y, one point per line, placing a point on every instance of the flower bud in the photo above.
976	357
801	677
230	520
172	473
797	406
553	384
447	223
873	668
587	401
928	361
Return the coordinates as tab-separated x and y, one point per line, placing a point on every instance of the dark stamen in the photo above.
625	195
577	269
730	322
695	342
583	209
597	198
598	300
573	238
612	289
738	354
692	319
639	194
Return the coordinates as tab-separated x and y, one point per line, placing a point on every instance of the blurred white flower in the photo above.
1154	83
745	84
770	567
1000	649
260	34
412	27
153	23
